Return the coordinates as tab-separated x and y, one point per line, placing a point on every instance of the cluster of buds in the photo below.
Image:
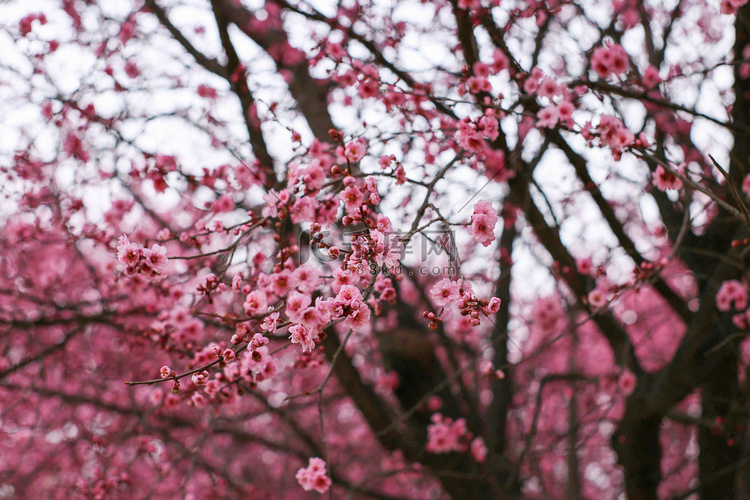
487	369
356	197
648	269
434	320
225	355
472	306
308	360
254	342
283	254
316	239
210	283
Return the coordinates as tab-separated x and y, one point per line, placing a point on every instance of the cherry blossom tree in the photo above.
451	249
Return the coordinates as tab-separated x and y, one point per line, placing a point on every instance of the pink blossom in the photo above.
270	205
746	186
477	84
305	278
565	112
547	117
314	177
303	336
207	92
597	297
482	229
155	258
651	77
387	382
255	303
548	88
500	61
471	139
280	282
388	249
731	291
131	69
200	378
223	204
269	322
295	304
348	294
444	292
368	88
609	59
383	223
128	253
303	209
613	133
359	319
584	266
493	306
547	312
352	198
483	222
343	277
257	342
479	450
489	127
664	180
481	69
311	318
627	382
730	7
484	207
354	151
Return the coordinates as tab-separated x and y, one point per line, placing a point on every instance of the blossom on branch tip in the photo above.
313	477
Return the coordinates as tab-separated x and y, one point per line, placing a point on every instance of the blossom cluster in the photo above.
472	133
309	320
610	59
148	262
611	132
483	222
314	477
444	435
446	291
